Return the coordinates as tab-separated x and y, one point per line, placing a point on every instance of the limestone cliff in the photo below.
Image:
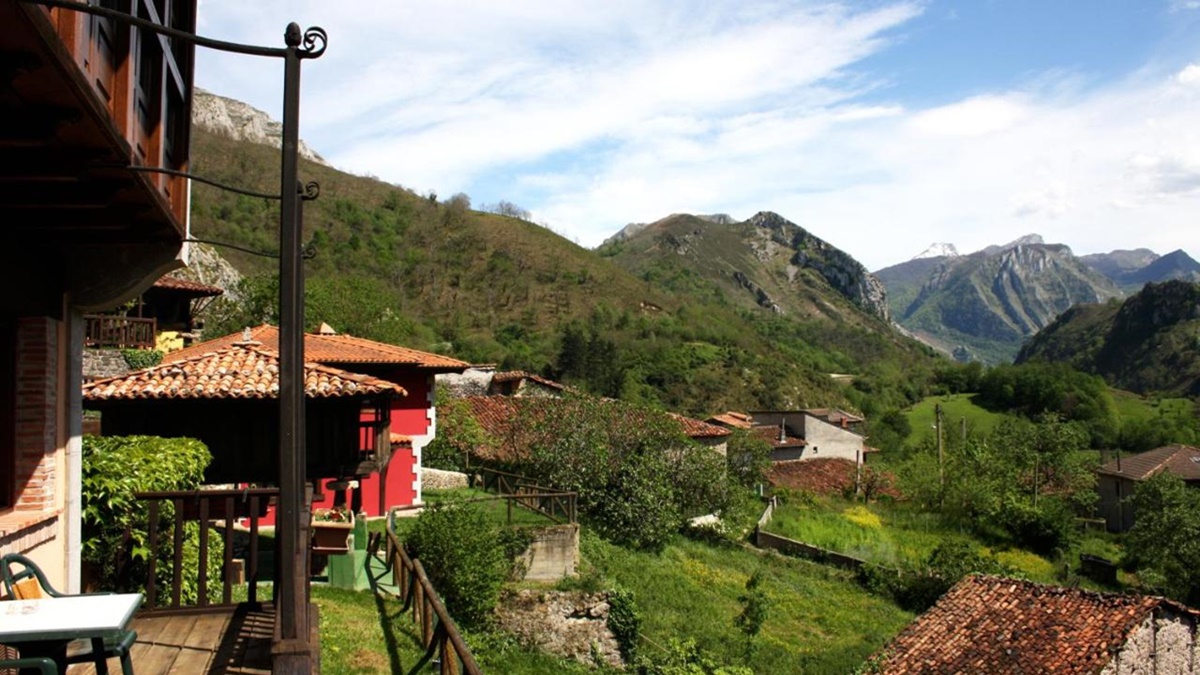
242	122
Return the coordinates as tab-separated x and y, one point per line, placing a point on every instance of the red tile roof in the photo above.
237	371
517	375
334	349
770	434
499	417
1181	460
694	428
735	420
188	286
994	626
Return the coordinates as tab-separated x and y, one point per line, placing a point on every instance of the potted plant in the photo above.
331	530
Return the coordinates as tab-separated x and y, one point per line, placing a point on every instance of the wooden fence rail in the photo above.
125	332
439	634
556	505
199	506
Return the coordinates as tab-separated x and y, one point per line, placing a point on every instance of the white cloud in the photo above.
593	115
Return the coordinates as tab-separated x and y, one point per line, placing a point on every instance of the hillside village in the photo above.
368	429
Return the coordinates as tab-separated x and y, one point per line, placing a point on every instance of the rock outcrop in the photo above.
242	122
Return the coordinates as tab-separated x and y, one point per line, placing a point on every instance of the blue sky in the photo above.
879	126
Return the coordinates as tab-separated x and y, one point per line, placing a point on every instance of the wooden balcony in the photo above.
119	332
82	99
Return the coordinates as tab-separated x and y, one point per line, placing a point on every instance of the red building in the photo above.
395	479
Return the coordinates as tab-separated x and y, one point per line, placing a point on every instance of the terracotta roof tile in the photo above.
517	375
333	349
1181	460
498	416
187	285
236	371
770	434
694	428
996	626
734	420
823	475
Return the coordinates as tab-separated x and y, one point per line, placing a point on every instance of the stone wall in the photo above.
553	553
102	363
436	479
569	624
1165	642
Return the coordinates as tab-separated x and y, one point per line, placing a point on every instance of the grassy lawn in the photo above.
891	534
1132	406
955	408
819	620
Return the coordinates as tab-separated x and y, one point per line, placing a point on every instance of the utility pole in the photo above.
937	421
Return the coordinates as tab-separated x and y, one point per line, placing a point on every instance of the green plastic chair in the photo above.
45	665
24	580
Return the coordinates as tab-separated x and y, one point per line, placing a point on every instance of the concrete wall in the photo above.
1163	644
827	440
1114	506
553	553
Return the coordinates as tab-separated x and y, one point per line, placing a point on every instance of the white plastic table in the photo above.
48	624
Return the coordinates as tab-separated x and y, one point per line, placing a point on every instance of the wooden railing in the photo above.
439	634
556	505
122	332
200	506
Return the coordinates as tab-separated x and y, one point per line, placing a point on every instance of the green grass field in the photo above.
1133	406
955	408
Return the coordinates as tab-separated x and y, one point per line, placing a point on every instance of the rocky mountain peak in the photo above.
937	250
242	122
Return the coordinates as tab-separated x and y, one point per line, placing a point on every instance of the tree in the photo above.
458	435
1164	543
755	606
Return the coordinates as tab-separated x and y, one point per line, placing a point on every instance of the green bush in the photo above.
461	552
624	621
141	358
116	467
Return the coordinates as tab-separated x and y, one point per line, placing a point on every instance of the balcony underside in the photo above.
65	194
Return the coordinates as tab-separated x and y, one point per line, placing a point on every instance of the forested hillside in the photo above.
1147	344
439	275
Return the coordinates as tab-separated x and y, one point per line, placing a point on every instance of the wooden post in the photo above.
937	421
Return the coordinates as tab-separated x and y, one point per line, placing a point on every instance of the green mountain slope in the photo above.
1148	343
400	267
988	302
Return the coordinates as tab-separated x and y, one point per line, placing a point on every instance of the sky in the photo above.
879	126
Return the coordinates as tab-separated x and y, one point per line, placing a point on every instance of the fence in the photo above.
125	332
558	506
441	638
202	506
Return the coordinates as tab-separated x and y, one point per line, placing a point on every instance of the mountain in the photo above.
243	122
937	250
1172	266
1117	264
765	261
1147	344
984	304
392	265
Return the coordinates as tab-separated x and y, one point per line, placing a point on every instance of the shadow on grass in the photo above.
390	608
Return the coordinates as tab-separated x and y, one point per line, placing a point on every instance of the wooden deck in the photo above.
227	640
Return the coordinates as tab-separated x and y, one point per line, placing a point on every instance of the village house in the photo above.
994	626
390	477
1116	480
803	434
84	231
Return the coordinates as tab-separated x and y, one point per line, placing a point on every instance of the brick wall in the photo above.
36	414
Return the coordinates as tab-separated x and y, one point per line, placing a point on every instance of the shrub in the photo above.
462	553
116	467
624	621
141	358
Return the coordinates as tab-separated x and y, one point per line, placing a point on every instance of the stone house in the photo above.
994	626
811	433
1116	480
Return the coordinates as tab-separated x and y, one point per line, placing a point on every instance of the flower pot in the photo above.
332	537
